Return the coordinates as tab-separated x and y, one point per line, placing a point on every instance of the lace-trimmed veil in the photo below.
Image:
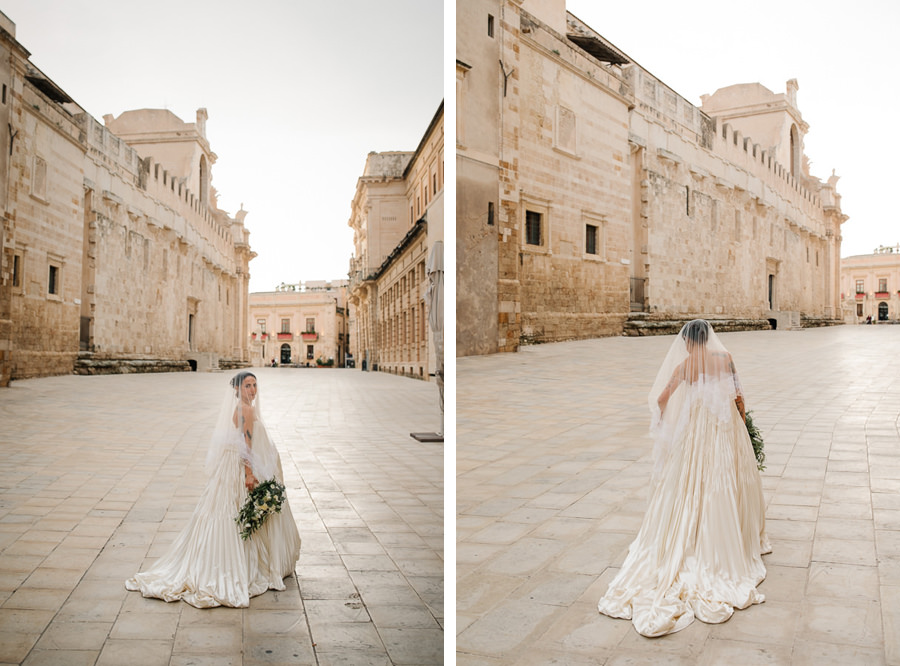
697	369
227	433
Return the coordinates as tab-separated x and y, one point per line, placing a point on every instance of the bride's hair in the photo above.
696	332
239	378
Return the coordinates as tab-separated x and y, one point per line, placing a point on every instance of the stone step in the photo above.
635	326
86	364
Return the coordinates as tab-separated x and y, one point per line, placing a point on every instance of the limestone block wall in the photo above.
721	215
563	156
43	234
477	178
175	255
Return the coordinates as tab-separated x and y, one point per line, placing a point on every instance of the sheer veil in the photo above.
697	372
227	435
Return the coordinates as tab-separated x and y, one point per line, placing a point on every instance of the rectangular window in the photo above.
687	201
4	93
53	280
882	284
860	287
285	325
590	239
310	325
17	270
491	213
532	227
262	325
490	26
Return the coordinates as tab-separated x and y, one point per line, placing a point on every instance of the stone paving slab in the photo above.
553	464
100	474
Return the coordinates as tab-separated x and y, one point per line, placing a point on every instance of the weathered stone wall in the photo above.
105	252
563	156
44	231
617	196
722	215
174	256
477	180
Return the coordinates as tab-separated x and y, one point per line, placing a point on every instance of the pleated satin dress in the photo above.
698	552
209	564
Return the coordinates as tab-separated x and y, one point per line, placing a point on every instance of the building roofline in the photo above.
434	121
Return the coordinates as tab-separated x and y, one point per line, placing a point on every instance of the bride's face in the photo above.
248	390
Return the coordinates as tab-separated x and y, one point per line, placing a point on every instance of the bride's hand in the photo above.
250	481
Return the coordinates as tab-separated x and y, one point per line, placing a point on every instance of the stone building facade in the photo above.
397	217
111	260
303	324
870	286
592	199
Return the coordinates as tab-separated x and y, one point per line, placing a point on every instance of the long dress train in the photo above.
698	552
209	564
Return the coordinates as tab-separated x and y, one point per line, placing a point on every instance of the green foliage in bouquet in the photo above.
262	501
757	441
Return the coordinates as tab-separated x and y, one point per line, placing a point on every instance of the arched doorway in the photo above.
285	354
882	311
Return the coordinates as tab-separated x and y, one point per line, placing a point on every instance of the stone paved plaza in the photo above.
552	477
100	473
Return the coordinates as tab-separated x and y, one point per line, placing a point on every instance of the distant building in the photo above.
870	286
592	199
397	217
300	324
115	257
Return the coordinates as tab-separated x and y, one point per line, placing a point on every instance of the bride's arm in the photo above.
739	395
667	392
247	420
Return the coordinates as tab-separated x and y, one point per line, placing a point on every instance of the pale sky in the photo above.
298	93
842	54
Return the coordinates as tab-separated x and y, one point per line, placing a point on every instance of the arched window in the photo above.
204	179
795	152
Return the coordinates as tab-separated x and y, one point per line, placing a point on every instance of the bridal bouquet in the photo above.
757	441
263	500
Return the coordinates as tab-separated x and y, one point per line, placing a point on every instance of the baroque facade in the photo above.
115	256
303	324
593	200
397	217
870	286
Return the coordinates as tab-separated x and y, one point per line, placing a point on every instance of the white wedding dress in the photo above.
209	564
698	551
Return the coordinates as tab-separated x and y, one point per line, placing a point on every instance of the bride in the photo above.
209	564
698	552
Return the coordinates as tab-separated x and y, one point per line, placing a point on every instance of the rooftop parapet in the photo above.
212	224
